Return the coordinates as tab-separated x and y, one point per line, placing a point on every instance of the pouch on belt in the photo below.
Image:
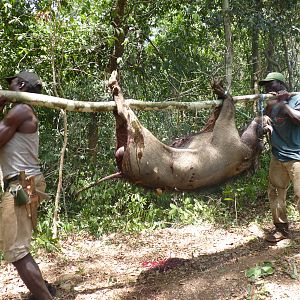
20	195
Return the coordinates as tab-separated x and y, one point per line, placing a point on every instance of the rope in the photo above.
261	100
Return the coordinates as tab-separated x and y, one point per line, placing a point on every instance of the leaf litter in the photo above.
192	262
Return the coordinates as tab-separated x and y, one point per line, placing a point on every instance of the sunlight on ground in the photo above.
282	291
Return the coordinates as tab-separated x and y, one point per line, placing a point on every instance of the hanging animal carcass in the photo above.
191	163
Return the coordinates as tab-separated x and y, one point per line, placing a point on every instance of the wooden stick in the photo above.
60	176
103	105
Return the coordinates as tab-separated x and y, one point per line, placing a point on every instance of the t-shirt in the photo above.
20	153
285	138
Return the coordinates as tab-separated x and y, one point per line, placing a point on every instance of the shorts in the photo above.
15	225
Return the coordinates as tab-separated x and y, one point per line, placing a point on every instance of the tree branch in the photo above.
104	105
60	174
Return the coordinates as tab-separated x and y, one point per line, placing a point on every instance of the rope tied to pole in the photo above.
267	128
261	100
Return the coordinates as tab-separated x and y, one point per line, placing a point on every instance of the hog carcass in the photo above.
195	162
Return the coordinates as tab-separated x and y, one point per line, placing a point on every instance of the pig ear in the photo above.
22	84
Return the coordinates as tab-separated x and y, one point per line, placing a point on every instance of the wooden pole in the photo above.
104	105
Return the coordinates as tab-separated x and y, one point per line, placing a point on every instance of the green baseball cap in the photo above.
272	76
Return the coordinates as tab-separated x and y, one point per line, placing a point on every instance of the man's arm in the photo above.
283	108
293	114
12	121
2	103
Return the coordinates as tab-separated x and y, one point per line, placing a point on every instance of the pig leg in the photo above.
225	128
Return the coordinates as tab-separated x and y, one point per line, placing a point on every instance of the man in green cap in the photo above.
19	143
285	161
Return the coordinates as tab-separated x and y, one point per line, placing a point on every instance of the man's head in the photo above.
274	82
25	81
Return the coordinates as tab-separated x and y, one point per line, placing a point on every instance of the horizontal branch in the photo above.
104	105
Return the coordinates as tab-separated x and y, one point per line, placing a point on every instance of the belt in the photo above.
6	182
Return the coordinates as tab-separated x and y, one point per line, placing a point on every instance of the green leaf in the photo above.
260	271
253	273
294	272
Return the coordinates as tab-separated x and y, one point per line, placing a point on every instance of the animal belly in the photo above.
164	167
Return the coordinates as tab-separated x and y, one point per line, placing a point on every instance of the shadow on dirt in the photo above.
214	276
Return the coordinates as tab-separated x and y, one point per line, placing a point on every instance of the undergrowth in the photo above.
119	206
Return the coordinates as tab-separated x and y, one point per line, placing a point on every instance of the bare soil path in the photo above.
192	262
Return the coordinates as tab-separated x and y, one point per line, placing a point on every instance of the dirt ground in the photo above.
192	262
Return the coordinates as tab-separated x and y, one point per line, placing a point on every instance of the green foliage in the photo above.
266	269
294	271
43	235
248	193
45	242
194	210
257	292
115	206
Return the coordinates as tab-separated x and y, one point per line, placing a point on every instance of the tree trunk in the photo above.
228	44
255	52
53	34
272	65
288	63
60	176
120	33
255	57
118	50
93	136
255	61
